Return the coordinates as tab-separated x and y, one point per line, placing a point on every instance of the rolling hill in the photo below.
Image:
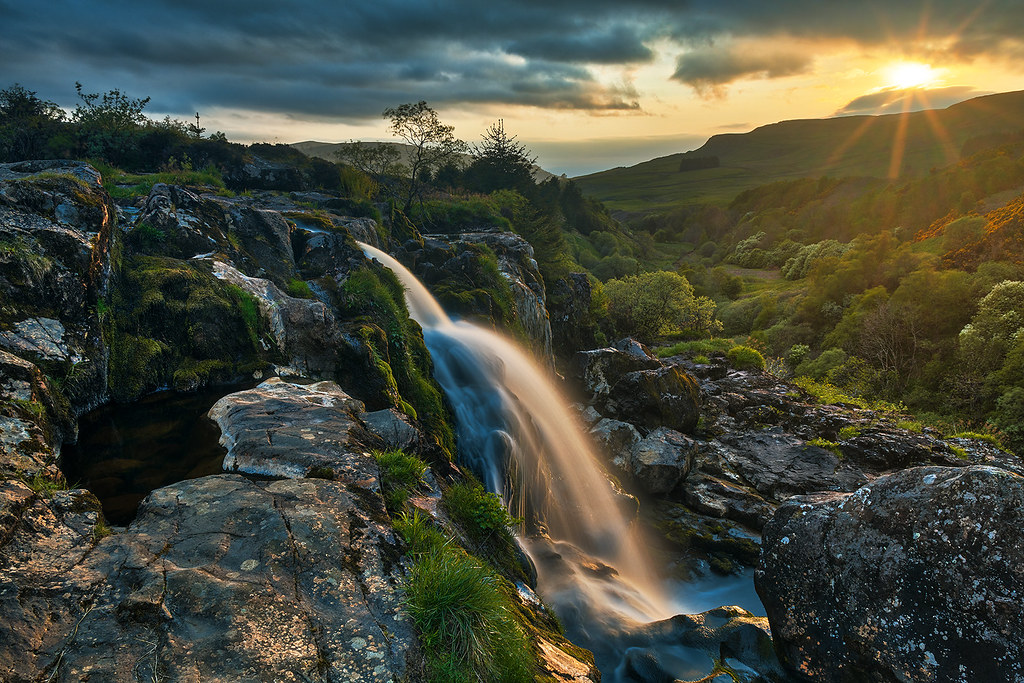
876	146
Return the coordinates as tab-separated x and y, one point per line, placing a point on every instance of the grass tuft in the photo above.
465	620
400	474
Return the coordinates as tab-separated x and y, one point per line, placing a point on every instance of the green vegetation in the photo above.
300	289
697	346
465	620
420	533
400	474
745	358
651	304
44	485
374	297
831	446
959	452
848	432
174	323
837	147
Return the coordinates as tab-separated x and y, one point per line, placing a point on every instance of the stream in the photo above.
518	434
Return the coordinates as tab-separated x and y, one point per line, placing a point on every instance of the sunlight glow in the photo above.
904	75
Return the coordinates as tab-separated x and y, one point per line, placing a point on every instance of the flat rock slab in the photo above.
282	429
220	577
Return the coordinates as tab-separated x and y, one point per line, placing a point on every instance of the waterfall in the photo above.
518	434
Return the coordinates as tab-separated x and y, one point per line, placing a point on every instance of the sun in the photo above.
906	75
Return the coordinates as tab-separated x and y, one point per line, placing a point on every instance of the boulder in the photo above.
661	460
281	429
917	576
778	465
572	323
662	397
598	369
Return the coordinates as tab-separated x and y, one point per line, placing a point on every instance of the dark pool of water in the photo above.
126	451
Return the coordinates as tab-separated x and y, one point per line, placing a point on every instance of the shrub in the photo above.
299	289
400	474
465	620
745	358
697	346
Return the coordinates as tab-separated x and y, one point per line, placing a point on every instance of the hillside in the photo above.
875	146
327	150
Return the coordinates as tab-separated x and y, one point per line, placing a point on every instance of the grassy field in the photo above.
874	146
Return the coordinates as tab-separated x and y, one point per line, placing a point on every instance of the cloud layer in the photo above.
350	60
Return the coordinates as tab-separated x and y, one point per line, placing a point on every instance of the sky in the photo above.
585	84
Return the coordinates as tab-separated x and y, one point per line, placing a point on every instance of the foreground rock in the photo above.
916	577
189	592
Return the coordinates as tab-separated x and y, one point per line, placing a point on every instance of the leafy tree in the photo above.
27	124
433	144
500	162
108	123
998	325
650	304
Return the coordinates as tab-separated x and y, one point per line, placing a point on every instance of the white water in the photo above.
517	433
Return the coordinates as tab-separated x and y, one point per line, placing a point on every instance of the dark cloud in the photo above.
909	99
706	70
348	60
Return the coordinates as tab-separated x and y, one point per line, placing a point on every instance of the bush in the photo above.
465	620
745	358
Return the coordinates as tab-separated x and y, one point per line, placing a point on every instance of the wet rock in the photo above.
915	577
176	222
572	324
716	497
688	645
289	430
778	465
661	460
705	543
663	397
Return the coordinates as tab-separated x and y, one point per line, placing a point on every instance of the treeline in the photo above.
112	129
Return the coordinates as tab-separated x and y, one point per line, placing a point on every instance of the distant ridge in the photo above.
841	146
328	150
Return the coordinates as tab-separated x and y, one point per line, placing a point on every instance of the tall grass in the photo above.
465	620
400	474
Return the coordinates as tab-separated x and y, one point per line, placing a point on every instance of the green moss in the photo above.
959	452
827	445
848	432
373	294
171	322
300	289
979	436
910	426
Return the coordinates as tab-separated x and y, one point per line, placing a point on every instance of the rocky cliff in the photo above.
287	567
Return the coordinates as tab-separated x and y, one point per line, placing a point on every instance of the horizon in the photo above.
585	87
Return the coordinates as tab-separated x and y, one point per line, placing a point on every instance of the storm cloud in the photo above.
346	61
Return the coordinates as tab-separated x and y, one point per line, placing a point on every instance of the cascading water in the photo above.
517	433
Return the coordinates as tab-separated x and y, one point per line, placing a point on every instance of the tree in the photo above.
27	124
650	304
500	162
108	123
433	144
